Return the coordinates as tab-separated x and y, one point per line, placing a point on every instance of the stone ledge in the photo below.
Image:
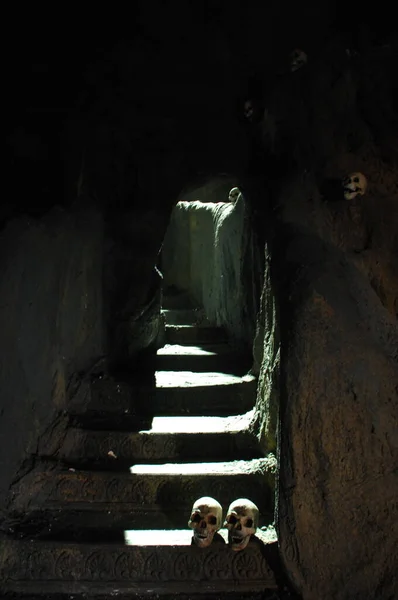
56	500
103	569
85	447
107	400
209	357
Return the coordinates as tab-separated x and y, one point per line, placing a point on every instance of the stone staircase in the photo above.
106	517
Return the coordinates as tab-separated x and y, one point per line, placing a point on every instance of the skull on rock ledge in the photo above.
241	522
354	185
248	110
298	59
233	194
205	520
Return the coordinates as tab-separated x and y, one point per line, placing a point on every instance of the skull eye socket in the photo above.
249	523
196	518
232	520
356	179
212	520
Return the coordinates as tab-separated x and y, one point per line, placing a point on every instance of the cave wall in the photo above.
327	333
51	326
338	420
84	121
209	252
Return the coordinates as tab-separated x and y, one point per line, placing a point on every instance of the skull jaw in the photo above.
350	195
202	539
297	65
238	541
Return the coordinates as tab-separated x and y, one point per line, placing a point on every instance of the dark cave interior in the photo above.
110	119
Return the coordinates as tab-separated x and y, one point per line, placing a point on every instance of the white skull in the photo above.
298	59
241	522
233	194
248	109
205	520
354	185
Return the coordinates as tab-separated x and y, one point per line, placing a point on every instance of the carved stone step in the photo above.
116	450
192	334
208	357
61	570
150	496
107	403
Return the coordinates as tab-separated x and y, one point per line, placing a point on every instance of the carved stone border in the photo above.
165	566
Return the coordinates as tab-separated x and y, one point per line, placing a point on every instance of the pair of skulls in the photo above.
206	520
354	185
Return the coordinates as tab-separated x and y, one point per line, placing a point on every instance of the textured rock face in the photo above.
61	311
328	363
208	251
338	485
51	325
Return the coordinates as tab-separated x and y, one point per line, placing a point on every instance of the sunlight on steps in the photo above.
234	467
178	350
182	537
185	379
171	424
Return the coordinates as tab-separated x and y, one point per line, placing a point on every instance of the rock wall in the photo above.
51	325
209	251
338	485
327	334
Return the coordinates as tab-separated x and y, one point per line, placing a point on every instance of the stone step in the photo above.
61	570
192	335
201	394
109	404
185	316
72	501
208	357
117	450
178	300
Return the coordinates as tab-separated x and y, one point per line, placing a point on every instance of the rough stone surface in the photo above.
62	501
338	443
328	364
266	364
208	251
146	570
51	326
93	447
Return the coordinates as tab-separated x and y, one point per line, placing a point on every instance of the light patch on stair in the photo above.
158	537
177	350
235	467
173	379
182	537
201	424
